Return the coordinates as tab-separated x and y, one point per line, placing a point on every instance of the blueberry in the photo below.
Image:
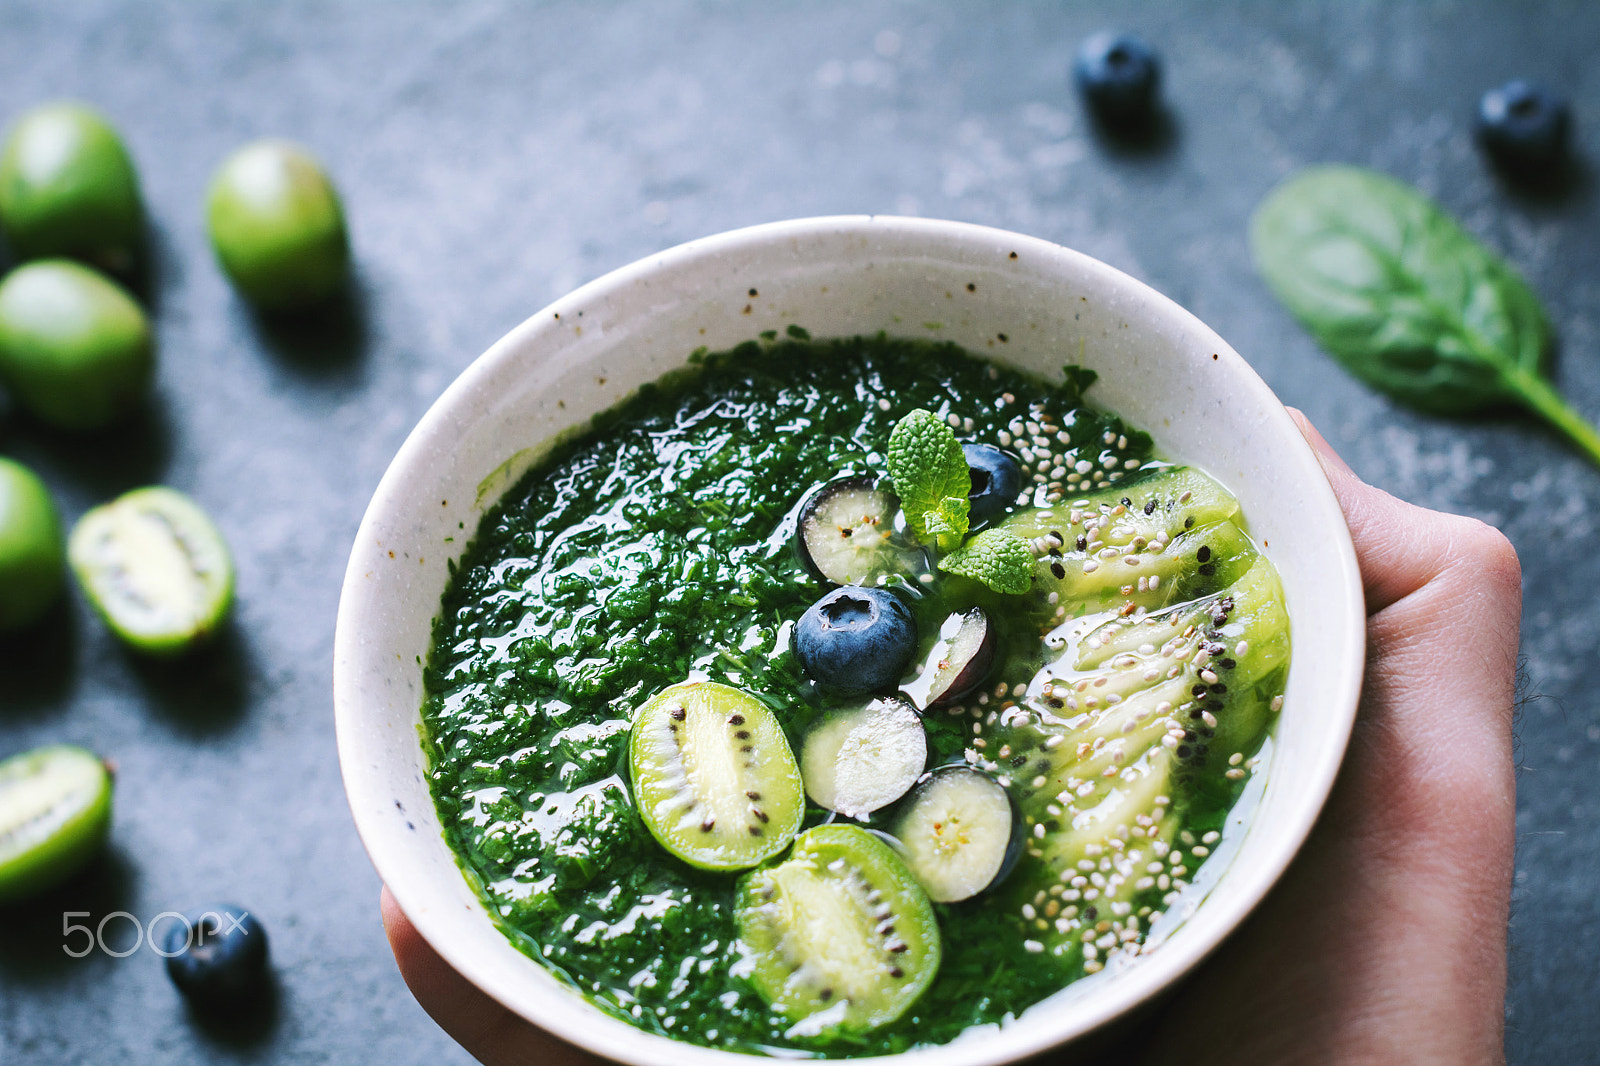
1523	125
996	480
217	956
856	639
1118	75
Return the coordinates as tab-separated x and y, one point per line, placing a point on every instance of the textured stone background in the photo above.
493	156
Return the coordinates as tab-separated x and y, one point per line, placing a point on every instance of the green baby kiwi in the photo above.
68	188
277	226
32	556
75	348
55	812
156	568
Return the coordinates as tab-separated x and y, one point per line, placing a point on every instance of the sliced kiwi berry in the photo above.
713	776
861	758
846	534
55	810
840	935
156	569
1140	705
957	663
959	832
1168	537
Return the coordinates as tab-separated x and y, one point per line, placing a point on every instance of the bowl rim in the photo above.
600	1033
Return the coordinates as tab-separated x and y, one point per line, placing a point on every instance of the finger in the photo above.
491	1033
1402	547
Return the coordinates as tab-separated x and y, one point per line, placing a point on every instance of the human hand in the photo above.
1385	940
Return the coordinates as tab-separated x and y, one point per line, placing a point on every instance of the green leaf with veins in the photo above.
997	557
1405	298
931	478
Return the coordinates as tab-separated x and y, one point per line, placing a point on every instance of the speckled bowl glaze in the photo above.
1015	299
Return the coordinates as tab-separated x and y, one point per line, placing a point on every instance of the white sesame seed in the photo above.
1083	466
1033	946
1234	774
1277	703
1028	912
1211	837
883	404
1240	648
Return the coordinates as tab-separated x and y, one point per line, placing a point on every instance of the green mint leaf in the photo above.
997	557
950	520
1405	298
930	476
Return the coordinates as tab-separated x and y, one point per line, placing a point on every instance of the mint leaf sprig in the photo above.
996	557
931	478
933	481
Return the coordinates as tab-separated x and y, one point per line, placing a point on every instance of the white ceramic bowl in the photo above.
1018	300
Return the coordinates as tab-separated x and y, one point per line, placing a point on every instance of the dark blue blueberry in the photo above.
1118	75
1523	125
996	480
856	639
217	956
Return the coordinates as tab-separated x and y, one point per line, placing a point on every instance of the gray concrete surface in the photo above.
493	156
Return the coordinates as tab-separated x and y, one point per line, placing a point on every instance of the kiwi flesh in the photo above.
156	569
1170	536
1148	707
840	935
713	777
55	811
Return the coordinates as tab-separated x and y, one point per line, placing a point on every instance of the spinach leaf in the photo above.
1406	299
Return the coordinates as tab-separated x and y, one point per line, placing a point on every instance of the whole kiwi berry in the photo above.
32	553
277	226
75	348
68	188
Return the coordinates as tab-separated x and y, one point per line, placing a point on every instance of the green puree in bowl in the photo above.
1124	718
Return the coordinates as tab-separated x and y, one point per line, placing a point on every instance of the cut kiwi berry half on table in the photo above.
959	660
156	569
55	810
861	758
846	534
959	832
840	934
713	777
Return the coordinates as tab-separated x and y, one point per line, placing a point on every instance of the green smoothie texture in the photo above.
1123	716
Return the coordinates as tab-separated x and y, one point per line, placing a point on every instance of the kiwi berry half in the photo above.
1143	704
55	810
840	934
1168	537
713	776
156	569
